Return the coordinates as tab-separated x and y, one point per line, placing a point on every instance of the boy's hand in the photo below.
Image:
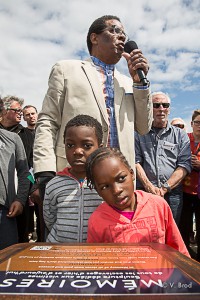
195	162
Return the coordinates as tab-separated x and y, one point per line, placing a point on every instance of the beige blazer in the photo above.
75	88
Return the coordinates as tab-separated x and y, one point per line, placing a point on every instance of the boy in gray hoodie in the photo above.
68	202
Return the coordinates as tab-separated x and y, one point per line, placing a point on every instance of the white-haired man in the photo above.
163	156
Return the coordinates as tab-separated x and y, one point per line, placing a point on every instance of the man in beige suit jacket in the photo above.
76	87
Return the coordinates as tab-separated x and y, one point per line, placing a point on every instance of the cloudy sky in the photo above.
37	33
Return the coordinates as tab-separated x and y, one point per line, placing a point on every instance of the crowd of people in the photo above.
101	162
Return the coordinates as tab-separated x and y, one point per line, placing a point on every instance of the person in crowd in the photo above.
178	122
11	118
127	216
181	124
163	156
191	203
68	202
12	202
30	116
95	87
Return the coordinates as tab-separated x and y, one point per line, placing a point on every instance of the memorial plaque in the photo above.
97	269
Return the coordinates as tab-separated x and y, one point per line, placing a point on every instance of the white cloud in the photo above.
37	33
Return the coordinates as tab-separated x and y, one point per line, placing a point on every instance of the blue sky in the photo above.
36	34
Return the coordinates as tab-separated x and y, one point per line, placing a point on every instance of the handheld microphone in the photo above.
129	47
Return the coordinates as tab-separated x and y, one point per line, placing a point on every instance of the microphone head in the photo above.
130	46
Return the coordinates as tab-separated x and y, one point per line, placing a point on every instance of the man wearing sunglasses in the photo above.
163	156
12	197
11	118
94	87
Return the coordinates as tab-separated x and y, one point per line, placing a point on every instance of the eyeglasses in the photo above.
164	105
179	125
16	110
196	122
115	30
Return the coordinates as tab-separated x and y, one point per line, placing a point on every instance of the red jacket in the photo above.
190	182
152	222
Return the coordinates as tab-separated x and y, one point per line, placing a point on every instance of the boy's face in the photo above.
80	142
196	126
114	183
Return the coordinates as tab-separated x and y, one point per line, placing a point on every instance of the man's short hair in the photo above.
152	95
97	27
179	119
28	106
196	113
8	100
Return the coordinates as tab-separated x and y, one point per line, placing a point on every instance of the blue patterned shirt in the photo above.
106	75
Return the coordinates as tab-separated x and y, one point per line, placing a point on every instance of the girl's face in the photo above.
114	183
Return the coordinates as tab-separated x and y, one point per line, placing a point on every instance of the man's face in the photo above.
160	110
30	116
14	113
108	46
196	125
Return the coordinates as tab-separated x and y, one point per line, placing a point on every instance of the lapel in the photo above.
118	92
92	76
